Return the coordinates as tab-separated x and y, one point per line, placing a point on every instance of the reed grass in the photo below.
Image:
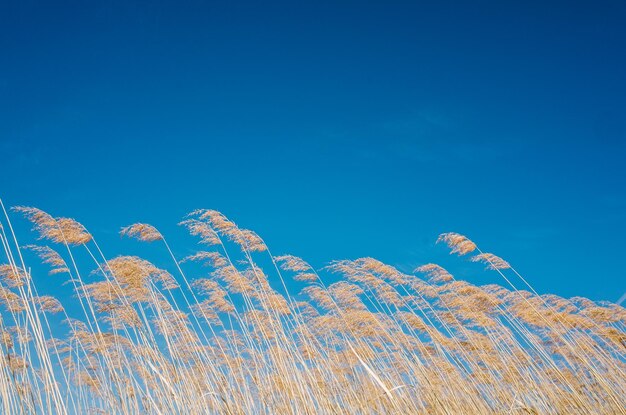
219	332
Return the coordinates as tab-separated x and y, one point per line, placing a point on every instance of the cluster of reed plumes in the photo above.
142	339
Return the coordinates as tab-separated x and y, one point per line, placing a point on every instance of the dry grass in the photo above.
140	339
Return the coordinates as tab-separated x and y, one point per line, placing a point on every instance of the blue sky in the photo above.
334	129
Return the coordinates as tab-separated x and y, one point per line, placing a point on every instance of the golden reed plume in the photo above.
231	329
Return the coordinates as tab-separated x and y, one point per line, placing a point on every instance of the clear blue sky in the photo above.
333	130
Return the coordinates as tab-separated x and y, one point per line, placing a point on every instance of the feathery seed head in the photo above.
459	244
143	232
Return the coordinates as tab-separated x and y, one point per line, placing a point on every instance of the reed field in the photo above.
232	328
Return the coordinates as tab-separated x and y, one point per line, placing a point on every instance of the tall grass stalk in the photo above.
357	336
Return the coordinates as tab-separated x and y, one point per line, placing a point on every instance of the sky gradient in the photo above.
334	131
